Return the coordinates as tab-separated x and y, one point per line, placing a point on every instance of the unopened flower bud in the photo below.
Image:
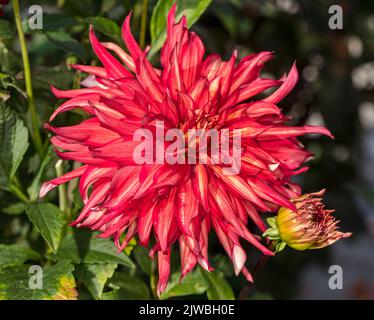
310	226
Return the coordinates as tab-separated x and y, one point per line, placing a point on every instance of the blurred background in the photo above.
336	90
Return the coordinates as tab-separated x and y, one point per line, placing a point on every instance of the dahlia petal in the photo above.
288	131
163	271
175	82
240	187
210	66
119	151
49	185
261	108
267	193
145	222
188	258
200	183
192	54
112	66
176	37
66	144
101	108
253	214
226	71
125	58
247	274
148	79
85	156
248	69
124	184
203	244
239	257
187	207
96	71
88	131
98	194
286	87
281	150
81	102
164	219
129	40
255	87
63	94
92	175
129	235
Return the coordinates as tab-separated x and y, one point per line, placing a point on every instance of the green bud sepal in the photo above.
272	233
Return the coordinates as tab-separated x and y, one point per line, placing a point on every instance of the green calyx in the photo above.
272	233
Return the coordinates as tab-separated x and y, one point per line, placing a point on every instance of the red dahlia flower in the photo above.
180	202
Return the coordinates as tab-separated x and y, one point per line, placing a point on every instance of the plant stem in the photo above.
62	196
35	133
143	23
18	193
153	278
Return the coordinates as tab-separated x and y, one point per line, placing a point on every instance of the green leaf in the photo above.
272	222
13	142
77	199
15	208
65	42
223	263
94	276
280	246
55	21
106	26
142	258
192	8
271	233
83	247
126	287
58	76
57	283
219	288
15	254
6	30
193	283
33	190
49	221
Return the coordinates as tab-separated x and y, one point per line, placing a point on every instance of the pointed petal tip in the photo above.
45	188
238	257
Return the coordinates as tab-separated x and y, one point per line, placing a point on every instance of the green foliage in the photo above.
84	247
64	41
126	287
6	30
105	26
58	283
94	276
49	221
13	143
15	254
219	288
193	283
